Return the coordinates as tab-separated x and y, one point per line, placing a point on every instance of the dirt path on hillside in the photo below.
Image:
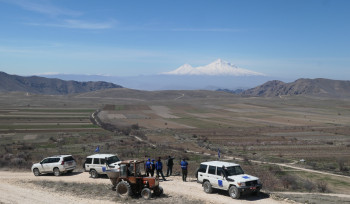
16	188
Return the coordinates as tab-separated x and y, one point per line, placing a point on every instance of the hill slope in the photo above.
311	87
42	85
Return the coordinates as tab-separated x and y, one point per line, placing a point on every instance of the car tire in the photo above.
207	187
234	192
146	193
36	172
93	173
158	191
123	189
56	171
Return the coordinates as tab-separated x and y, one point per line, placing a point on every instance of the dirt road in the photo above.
15	187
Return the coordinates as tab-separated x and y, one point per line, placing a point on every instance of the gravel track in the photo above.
16	187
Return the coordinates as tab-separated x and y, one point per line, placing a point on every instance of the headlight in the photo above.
259	182
241	183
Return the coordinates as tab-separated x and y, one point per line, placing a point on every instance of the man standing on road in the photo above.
153	167
170	164
148	167
159	168
184	166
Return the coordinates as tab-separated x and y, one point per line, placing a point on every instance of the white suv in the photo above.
56	164
227	176
98	163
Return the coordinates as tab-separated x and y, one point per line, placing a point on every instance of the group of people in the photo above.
151	166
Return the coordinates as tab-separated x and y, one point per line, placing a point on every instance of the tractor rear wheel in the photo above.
146	193
123	189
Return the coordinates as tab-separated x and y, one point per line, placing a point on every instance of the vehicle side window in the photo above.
219	171
45	161
203	168
88	161
103	161
53	160
211	170
70	158
96	161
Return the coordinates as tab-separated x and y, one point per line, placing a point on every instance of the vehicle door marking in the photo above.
220	183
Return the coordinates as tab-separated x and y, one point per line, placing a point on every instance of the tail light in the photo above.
62	163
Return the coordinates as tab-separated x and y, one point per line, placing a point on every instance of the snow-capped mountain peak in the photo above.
218	67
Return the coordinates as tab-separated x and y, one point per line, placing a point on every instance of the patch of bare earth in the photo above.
24	187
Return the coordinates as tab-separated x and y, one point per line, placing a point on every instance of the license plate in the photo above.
252	188
70	163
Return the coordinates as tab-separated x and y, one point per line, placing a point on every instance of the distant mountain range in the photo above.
42	85
308	87
53	86
216	75
216	68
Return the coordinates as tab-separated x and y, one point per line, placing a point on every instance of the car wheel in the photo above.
56	172
158	191
36	172
93	173
123	189
234	193
146	193
207	187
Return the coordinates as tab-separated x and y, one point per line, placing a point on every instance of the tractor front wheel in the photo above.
146	193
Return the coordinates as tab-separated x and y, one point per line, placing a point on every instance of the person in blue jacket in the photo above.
153	167
148	167
184	166
159	168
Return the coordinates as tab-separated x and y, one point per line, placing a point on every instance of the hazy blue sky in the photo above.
284	38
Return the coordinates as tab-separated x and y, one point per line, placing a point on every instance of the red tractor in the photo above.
130	180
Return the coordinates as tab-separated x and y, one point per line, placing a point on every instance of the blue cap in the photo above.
149	159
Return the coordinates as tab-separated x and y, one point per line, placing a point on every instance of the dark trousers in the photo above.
184	174
169	171
148	172
152	172
161	173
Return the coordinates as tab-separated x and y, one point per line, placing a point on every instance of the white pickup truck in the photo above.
227	176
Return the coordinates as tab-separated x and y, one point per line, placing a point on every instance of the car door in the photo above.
213	179
202	172
96	165
87	164
45	165
222	182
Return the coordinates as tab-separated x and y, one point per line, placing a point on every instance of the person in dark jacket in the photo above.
170	164
159	168
153	167
148	167
184	166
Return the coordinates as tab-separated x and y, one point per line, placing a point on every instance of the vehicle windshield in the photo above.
112	159
234	170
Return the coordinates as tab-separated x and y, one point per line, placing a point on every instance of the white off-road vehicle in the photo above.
227	176
98	164
56	164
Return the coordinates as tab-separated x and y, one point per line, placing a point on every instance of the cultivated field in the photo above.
259	133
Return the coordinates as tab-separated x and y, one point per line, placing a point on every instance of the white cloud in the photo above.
77	24
43	7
